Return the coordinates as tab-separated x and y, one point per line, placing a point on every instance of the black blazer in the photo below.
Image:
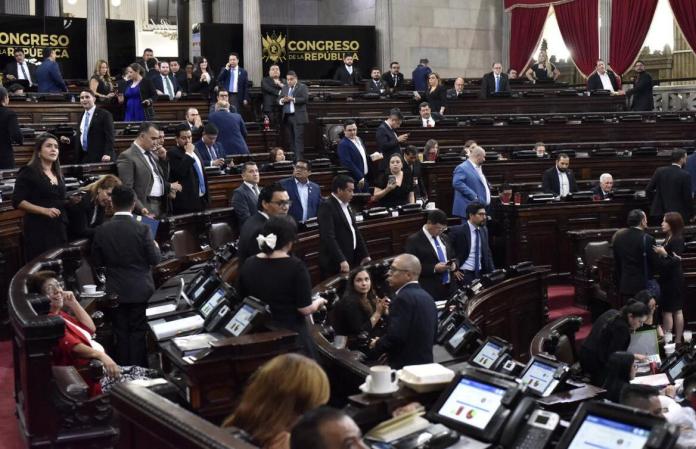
126	248
271	94
551	184
393	82
348	79
670	190
80	215
248	246
182	169
460	236
9	134
597	190
375	87
488	84
419	245
159	84
642	93
336	239
594	82
100	138
631	247
436	99
12	69
245	203
387	143
412	327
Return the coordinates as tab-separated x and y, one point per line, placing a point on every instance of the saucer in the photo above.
364	389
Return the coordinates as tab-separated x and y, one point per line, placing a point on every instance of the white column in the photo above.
605	29
20	7
96	34
52	8
384	34
505	59
195	11
252	40
226	11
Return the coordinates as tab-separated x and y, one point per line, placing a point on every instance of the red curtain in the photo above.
526	25
685	13
579	25
630	22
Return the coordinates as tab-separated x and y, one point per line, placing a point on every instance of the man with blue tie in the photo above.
469	183
470	242
494	82
211	152
186	168
305	195
234	79
48	74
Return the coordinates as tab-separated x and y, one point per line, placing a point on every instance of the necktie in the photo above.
230	88
290	105
256	190
441	258
199	172
497	83
154	165
168	86
477	252
430	125
85	130
24	72
211	152
396	80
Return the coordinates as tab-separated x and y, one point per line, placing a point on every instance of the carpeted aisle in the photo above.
9	432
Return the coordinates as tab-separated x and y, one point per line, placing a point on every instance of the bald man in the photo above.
412	317
457	91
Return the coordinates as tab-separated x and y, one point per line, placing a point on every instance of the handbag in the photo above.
651	284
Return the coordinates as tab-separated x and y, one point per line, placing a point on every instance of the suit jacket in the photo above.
336	239
248	246
127	250
632	249
393	82
100	137
594	82
452	95
301	95
488	84
642	93
313	199
419	77
375	87
460	236
48	77
597	190
9	133
205	155
551	184
412	327
271	93
691	168
350	158
231	132
387	143
419	245
80	215
135	172
182	169
244	202
348	79
223	80
159	84
670	189
468	188
13	69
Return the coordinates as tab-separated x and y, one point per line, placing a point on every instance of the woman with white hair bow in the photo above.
281	280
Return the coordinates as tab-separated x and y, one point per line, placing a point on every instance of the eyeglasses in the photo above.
282	203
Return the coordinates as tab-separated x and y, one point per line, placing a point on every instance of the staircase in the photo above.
562	303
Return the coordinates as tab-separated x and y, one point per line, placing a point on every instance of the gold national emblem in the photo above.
273	47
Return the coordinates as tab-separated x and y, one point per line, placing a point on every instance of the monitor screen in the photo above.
240	320
473	403
538	376
201	288
487	356
212	302
644	342
598	432
458	336
676	369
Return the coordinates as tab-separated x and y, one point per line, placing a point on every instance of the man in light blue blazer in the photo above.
304	194
469	183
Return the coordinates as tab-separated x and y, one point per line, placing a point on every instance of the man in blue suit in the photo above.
234	79
304	194
474	258
211	152
48	75
352	154
419	77
165	83
690	166
469	183
231	129
412	325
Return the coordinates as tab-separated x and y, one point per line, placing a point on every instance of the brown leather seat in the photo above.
220	233
184	243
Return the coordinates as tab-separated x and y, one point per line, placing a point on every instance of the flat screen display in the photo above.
538	376
472	403
676	370
240	320
599	433
487	356
458	336
212	302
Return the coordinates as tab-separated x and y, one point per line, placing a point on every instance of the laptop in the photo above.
645	342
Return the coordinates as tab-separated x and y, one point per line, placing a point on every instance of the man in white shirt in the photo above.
427	118
348	74
167	84
233	79
353	155
559	180
20	69
603	79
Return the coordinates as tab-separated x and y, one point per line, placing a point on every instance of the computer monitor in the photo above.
675	369
461	337
204	290
212	302
490	353
250	313
644	342
542	376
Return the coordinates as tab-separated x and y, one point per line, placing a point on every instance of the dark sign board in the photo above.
218	40
121	44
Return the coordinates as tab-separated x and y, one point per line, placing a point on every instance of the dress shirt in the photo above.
412	282
346	212
128	214
82	122
157	183
22	70
358	143
212	153
200	168
254	188
428	122
168	87
432	243
606	82
470	262
395	78
349	68
236	79
303	192
563	182
387	122
483	180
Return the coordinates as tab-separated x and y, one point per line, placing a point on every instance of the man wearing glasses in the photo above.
273	201
412	326
304	194
470	242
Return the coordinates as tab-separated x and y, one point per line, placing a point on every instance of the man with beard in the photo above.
559	180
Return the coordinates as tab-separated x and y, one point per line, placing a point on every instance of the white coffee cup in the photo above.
687	336
381	379
668	337
90	289
669	348
429	205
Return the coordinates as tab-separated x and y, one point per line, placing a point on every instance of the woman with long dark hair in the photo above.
138	96
360	309
92	208
620	370
395	188
672	275
203	79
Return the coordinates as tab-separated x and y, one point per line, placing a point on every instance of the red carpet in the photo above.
562	303
9	431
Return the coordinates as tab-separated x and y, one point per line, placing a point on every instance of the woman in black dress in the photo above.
40	192
435	94
101	83
202	80
90	209
359	310
281	280
543	70
395	188
671	274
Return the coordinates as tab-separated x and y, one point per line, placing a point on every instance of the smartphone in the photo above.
392	179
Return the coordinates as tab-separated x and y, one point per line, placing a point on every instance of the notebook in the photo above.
645	342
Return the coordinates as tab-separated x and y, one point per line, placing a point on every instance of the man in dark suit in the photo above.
388	142
412	325
147	55
457	92
419	76
9	131
21	69
245	197
305	195
634	256
341	245
473	259
558	179
642	91
178	74
428	119
231	129
352	154
413	167
97	143
375	85
210	151
186	168
605	189
494	82
194	122
48	75
271	87
435	254
347	73
670	189
602	79
273	201
293	100
165	83
393	79
690	167
234	79
127	250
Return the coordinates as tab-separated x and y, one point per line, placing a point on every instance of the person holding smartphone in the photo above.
396	188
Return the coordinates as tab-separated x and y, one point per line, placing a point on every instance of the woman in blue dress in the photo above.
138	96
